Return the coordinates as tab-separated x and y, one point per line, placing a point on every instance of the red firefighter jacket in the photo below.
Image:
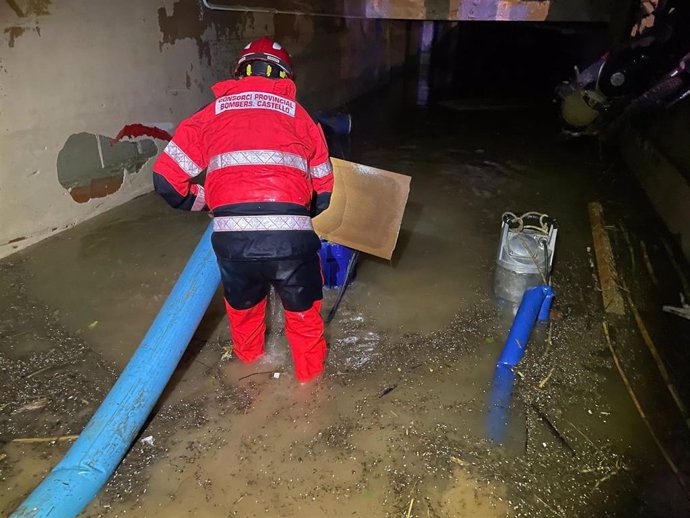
267	169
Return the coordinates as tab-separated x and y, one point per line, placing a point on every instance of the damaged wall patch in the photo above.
93	166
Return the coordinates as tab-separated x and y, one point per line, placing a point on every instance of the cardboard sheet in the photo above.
366	209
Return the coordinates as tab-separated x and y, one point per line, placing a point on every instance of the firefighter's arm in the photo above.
179	164
320	169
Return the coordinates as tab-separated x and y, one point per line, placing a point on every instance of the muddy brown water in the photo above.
398	425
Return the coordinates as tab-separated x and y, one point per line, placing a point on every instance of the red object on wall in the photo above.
140	130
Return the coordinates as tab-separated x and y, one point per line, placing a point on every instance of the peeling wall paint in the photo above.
69	73
24	8
94	166
185	21
22	17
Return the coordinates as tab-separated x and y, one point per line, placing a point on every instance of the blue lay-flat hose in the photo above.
86	467
535	305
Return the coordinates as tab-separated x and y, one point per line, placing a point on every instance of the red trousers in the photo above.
304	330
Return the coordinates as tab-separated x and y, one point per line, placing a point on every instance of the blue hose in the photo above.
86	467
536	304
499	404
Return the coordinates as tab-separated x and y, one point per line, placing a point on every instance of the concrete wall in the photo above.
74	73
660	158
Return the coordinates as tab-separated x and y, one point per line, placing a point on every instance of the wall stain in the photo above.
190	20
188	80
13	33
33	7
13	5
186	21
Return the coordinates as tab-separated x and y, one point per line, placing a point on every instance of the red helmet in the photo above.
267	50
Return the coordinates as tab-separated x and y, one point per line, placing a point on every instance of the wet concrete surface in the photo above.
398	424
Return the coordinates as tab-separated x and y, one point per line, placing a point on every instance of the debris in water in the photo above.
387	390
409	509
543	382
457	461
552	428
683	311
57	438
44	369
93	324
148	440
272	373
276	375
648	263
227	353
34	405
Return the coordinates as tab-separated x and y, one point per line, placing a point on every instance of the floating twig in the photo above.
57	438
554	511
676	267
647	339
543	382
648	263
581	433
552	428
611	473
626	236
387	390
33	405
549	337
257	374
409	509
44	369
636	402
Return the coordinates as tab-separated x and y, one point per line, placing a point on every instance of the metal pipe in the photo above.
86	467
271	10
535	305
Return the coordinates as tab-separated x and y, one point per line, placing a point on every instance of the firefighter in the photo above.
267	174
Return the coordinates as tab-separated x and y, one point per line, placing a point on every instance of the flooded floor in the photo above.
400	424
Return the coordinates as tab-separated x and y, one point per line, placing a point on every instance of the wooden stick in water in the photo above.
647	339
606	266
33	440
648	263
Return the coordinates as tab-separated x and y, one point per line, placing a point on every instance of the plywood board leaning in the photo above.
366	209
